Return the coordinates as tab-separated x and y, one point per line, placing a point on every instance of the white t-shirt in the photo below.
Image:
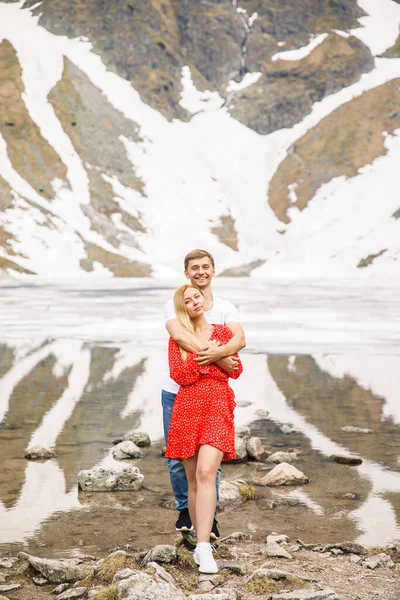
221	313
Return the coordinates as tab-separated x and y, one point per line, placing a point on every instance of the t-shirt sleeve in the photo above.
231	313
169	311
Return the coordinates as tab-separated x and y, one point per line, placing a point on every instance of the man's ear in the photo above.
186	274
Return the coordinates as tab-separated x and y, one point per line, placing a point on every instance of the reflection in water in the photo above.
86	365
78	397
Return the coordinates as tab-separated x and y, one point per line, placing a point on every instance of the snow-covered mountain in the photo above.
132	132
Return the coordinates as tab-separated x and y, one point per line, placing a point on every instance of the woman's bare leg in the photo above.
208	461
190	465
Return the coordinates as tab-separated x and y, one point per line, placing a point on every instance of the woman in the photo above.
202	431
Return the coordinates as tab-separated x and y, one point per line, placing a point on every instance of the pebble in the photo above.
40	580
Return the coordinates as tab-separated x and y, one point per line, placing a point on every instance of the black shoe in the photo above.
214	535
184	522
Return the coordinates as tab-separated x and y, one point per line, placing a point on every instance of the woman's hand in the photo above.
228	364
212	353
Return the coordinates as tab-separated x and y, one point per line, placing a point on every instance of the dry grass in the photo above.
247	491
111	565
185	557
262	585
297	583
109	593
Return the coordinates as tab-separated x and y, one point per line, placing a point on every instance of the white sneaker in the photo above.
204	558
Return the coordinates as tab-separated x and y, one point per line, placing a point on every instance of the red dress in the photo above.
203	407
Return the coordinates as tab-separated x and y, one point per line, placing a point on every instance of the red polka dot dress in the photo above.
203	407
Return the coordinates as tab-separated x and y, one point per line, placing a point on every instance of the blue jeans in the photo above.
176	469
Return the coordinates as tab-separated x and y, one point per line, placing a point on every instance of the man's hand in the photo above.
211	354
228	364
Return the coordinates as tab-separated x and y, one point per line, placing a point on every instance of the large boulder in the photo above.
284	474
59	571
136	585
127	479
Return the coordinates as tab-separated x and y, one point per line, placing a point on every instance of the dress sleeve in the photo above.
184	373
224	335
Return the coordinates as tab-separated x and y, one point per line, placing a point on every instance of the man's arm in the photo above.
214	354
182	337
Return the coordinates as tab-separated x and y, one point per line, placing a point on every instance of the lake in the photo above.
81	362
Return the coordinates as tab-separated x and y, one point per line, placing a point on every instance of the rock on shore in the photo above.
110	480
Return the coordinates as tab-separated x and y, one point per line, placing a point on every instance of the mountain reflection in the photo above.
78	397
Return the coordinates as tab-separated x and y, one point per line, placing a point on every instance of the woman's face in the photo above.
194	302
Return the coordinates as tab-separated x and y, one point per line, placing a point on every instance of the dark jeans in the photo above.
176	469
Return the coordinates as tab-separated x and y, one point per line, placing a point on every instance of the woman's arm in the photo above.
184	373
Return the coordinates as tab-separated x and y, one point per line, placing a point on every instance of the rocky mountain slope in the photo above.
266	132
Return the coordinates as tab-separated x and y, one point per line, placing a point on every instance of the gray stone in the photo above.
234	568
9	587
243	403
355	559
326	594
124	574
205	586
240	449
236	536
378	560
346	547
288	429
243	431
78	592
141	586
230	592
7	563
160	572
279	457
255	448
262	413
162	553
274	574
274	550
129	478
61	588
346	459
39	453
222	596
59	571
213	579
284	474
277	538
229	494
351	429
40	580
140	438
125	450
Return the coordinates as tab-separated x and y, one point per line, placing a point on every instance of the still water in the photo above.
82	362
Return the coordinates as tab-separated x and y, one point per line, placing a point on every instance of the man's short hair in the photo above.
195	254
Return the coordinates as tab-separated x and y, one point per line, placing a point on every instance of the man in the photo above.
199	267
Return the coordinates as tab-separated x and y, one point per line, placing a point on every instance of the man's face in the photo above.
200	271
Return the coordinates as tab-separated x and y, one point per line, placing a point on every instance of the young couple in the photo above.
197	401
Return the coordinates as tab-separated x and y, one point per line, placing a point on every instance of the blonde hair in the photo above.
181	312
195	254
